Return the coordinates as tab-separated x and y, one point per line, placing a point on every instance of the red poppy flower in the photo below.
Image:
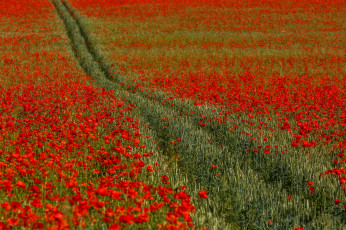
214	166
36	203
127	219
21	184
203	194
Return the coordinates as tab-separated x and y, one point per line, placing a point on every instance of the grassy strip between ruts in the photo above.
251	189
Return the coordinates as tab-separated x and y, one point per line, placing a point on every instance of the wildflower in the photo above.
127	219
165	179
21	184
214	166
203	194
36	203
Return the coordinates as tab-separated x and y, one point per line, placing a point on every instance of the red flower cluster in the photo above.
203	194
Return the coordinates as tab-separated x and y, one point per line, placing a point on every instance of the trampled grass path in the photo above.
251	190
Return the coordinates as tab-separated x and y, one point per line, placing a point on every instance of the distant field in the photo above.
214	114
196	48
262	57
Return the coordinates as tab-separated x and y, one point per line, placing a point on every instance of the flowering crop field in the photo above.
162	114
71	155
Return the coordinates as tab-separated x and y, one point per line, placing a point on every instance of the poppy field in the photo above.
162	114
